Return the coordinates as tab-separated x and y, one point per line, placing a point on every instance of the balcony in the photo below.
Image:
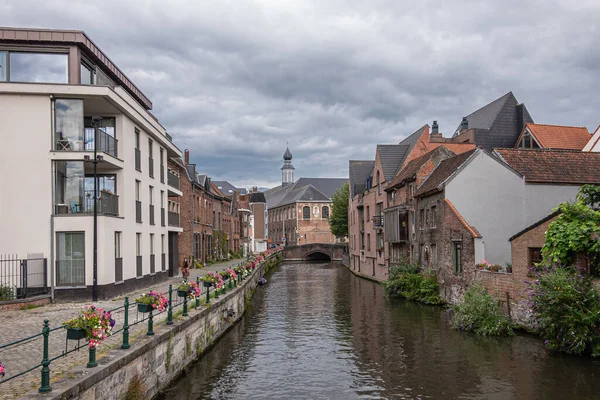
151	214
378	221
106	144
173	219
138	159
173	180
107	204
138	211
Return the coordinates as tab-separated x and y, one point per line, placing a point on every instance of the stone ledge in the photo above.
18	303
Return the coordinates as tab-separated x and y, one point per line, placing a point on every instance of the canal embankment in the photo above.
153	362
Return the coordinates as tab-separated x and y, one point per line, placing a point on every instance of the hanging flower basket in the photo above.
152	301
188	289
75	333
93	324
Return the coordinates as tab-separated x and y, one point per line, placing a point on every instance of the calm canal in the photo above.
318	332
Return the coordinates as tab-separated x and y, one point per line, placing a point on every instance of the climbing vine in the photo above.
576	230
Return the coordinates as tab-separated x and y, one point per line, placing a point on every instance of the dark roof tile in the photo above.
391	157
443	171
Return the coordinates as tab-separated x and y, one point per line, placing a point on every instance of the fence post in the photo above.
185	300
24	277
45	388
45	275
150	324
198	298
92	358
170	309
208	295
125	344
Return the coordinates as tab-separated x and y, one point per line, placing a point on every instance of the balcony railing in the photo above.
173	180
138	266
151	167
162	216
151	214
162	173
106	143
107	203
138	159
119	269
173	219
152	264
138	211
163	260
378	221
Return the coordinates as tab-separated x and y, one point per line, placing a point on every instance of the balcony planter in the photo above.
207	284
144	308
75	333
182	293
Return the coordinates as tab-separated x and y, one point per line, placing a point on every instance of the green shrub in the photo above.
479	313
6	293
405	281
566	307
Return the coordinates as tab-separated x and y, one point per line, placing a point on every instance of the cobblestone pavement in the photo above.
18	324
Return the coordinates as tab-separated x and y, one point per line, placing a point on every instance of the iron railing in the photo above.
22	278
119	269
152	264
162	173
107	203
163	261
151	167
138	266
162	216
106	143
173	180
151	208
138	211
173	219
138	159
378	221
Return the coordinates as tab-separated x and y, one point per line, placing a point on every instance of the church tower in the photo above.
287	170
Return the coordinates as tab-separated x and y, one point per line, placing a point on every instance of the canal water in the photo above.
316	331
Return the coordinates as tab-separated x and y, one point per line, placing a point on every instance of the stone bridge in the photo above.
315	251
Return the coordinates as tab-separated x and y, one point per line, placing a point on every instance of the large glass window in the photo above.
69	192
325	212
3	66
68	115
70	258
306	212
39	67
88	74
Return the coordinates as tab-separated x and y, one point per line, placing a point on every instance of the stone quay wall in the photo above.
154	362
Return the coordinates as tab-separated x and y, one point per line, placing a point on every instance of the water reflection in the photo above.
318	332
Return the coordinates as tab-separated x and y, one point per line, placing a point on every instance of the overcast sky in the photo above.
233	81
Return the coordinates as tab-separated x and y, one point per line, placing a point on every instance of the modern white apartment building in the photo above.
52	86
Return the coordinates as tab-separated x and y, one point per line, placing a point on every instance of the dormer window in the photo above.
528	141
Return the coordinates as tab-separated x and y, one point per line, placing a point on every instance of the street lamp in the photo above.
95	161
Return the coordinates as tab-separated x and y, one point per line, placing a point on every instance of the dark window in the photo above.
306	212
433	216
535	257
2	66
421	218
368	242
38	67
457	257
325	212
68	125
88	74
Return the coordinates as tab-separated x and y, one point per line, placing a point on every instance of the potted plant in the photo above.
188	289
482	265
224	275
152	301
93	324
494	267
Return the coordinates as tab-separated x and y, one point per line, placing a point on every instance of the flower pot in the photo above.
182	293
225	277
144	308
75	333
207	284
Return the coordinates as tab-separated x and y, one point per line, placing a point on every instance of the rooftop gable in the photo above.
412	167
440	175
391	157
359	171
484	117
557	136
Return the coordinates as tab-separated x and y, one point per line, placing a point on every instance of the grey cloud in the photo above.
234	82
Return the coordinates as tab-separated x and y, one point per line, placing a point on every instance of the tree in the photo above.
338	221
576	230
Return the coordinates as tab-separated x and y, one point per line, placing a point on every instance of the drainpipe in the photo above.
52	174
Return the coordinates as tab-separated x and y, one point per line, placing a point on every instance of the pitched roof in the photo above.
559	137
553	166
327	186
304	193
215	190
486	115
359	172
391	157
227	188
412	139
411	168
463	221
442	172
257	197
534	225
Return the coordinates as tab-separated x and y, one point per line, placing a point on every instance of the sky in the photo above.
235	81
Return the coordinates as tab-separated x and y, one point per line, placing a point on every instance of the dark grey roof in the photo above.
287	155
276	194
391	157
412	139
486	115
327	186
359	171
257	197
303	193
227	188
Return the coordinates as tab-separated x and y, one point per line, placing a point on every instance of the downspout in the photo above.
191	198
52	174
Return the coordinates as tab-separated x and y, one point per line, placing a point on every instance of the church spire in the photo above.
287	170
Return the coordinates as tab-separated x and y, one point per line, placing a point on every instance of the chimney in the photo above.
254	189
435	128
186	156
464	125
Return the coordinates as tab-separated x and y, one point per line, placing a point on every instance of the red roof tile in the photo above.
560	137
554	166
410	169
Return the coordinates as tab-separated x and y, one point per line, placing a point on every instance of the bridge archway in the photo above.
317	256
